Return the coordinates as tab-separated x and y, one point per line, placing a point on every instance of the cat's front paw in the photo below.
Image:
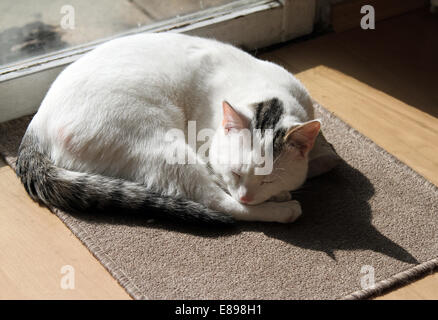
286	212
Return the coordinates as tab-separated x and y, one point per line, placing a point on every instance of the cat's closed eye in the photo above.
266	181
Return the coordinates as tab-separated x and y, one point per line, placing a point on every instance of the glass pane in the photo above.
33	27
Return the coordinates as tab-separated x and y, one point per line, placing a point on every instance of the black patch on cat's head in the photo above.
267	116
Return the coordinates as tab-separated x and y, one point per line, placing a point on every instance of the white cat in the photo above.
98	141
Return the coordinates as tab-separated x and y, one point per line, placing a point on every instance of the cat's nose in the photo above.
245	199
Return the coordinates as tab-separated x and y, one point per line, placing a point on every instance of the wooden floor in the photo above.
382	82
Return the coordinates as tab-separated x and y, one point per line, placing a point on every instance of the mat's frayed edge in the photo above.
89	242
396	281
86	239
409	275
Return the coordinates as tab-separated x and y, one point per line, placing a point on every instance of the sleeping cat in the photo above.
98	141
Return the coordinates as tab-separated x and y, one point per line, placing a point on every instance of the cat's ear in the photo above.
232	120
303	136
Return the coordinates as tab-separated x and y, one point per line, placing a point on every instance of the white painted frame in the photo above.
245	23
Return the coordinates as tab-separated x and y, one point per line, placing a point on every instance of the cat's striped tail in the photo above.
78	192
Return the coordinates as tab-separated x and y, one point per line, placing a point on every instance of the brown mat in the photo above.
372	210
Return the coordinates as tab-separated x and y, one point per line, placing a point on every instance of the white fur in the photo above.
107	113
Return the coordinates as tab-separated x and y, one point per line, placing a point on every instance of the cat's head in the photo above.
258	158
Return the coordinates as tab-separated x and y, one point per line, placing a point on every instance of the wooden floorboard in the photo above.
382	83
34	247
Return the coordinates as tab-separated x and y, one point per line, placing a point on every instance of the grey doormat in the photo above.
372	215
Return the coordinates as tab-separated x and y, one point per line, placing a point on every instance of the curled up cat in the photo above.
153	123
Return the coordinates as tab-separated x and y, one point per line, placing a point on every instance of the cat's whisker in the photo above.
275	160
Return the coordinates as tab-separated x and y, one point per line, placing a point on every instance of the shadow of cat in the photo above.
336	216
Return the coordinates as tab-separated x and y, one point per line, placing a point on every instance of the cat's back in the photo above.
152	51
167	62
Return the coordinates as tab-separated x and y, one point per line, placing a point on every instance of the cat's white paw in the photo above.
281	197
283	212
287	212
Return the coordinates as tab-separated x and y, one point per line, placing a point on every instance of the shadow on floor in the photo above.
337	216
399	57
